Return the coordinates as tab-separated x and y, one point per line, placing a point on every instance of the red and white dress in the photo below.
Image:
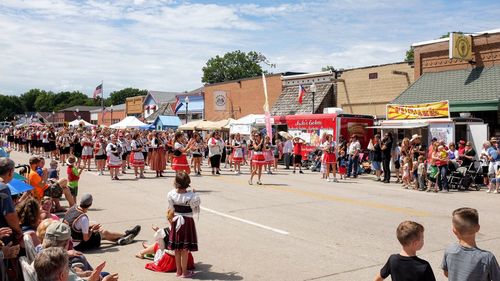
258	158
114	155
87	148
329	154
136	156
180	163
268	154
237	152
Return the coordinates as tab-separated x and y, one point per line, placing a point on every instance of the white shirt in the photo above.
288	147
353	147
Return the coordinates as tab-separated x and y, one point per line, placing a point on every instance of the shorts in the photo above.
101	157
94	242
73	190
433	180
64	150
297	159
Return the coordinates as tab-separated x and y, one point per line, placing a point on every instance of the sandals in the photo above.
139	255
189	274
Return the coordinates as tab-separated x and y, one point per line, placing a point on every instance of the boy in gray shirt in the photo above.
464	261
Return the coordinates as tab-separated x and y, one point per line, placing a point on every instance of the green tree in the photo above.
28	99
119	97
232	66
11	105
410	55
44	102
328	67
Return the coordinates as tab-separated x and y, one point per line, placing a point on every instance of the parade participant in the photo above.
182	237
63	142
330	159
386	156
10	136
45	143
179	160
145	146
237	153
100	154
297	154
87	150
113	151
197	150
52	143
258	159
268	154
215	147
229	152
88	236
124	141
39	144
74	173
158	160
136	156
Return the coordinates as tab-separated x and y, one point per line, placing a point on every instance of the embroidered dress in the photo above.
182	230
329	154
258	158
114	155
136	156
237	152
88	146
158	159
179	162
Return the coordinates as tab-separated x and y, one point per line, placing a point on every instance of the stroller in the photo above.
465	178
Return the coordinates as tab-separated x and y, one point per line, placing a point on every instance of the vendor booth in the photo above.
129	122
432	120
245	124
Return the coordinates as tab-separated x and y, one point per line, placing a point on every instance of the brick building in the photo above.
112	114
367	90
71	113
238	98
471	86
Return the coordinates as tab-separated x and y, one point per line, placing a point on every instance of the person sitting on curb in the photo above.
88	236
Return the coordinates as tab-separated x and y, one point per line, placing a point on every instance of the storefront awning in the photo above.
399	126
467	90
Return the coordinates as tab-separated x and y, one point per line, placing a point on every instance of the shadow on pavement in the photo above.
203	273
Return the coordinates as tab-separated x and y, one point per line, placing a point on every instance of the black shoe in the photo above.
127	239
134	231
300	172
217	173
294	172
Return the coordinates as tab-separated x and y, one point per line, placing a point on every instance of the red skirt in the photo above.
185	238
330	158
167	262
258	159
136	162
342	170
180	163
238	156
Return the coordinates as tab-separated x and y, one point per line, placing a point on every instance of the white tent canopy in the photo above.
128	122
77	122
250	119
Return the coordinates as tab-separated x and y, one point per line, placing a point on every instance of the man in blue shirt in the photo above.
8	214
493	157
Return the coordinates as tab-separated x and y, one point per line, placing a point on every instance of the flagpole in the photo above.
102	101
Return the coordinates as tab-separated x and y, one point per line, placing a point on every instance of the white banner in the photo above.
220	100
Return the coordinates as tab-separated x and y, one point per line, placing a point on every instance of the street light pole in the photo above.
111	121
312	88
53	116
186	100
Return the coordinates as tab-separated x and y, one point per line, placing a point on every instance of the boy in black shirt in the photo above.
406	266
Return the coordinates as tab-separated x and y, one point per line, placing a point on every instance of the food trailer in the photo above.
310	127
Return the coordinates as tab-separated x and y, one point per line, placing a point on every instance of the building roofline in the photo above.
307	75
372	66
428	42
243	79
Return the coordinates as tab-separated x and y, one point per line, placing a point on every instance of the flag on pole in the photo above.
98	91
178	104
267	115
302	92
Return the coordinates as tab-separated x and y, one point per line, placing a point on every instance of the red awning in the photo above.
311	121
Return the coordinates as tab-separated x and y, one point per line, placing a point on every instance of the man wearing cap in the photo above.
88	236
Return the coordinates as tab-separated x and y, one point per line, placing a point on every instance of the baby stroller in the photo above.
465	178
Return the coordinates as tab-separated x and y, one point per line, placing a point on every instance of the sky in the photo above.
66	45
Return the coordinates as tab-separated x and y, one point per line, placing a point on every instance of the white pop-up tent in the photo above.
78	122
129	122
245	124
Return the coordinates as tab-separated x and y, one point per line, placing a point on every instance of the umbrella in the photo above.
284	134
19	177
17	186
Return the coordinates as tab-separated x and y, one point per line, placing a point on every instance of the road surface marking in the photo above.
245	221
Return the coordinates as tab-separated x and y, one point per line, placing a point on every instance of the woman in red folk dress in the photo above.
136	156
237	153
258	158
179	160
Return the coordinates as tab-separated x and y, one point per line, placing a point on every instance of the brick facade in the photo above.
358	94
242	97
433	57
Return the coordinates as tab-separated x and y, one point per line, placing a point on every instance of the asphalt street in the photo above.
294	227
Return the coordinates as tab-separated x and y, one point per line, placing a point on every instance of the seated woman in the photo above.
164	260
46	209
28	212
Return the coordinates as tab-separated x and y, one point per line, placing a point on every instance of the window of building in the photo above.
373	75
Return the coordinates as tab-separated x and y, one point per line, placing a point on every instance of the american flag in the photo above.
98	91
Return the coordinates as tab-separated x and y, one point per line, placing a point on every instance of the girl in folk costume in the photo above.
143	137
182	237
258	158
237	153
268	154
197	150
136	156
215	147
168	140
39	145
330	158
158	158
100	154
87	149
10	137
125	142
45	143
229	152
64	149
52	143
179	160
114	152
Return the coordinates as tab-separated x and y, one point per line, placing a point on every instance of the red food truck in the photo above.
311	127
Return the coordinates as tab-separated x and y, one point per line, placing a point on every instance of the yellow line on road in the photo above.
334	198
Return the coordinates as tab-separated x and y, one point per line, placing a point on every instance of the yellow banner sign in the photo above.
440	109
460	46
